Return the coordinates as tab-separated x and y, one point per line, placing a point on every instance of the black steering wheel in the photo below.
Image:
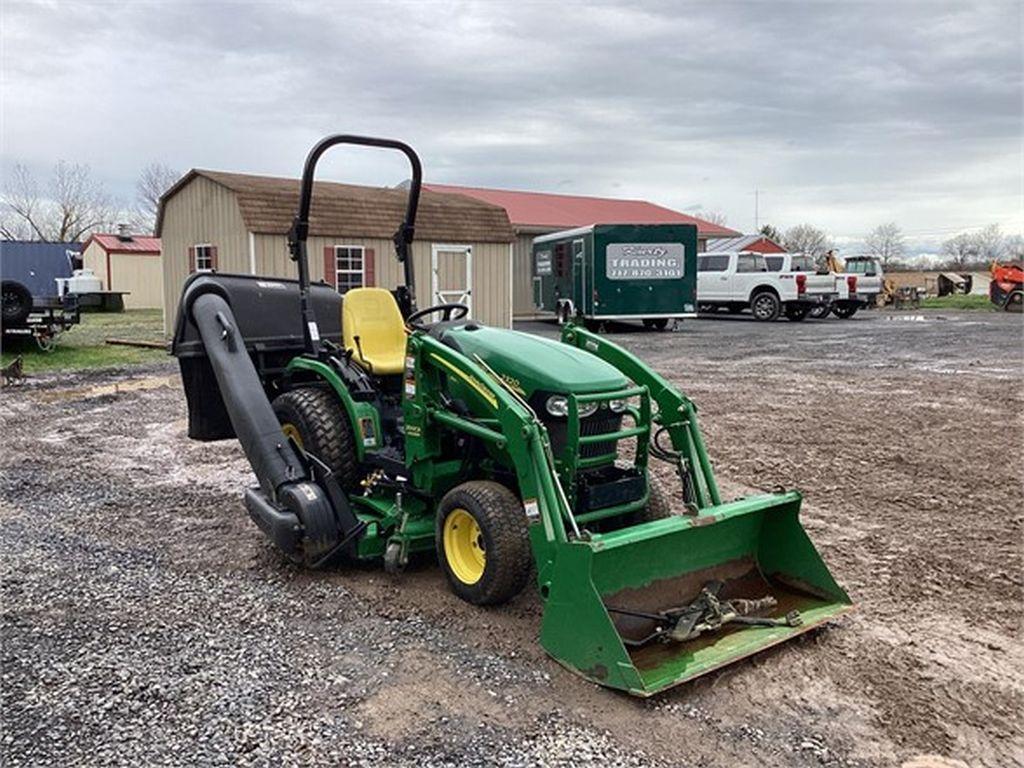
447	311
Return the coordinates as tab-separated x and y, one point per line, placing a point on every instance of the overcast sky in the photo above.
842	114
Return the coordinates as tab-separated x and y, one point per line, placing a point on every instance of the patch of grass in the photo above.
958	301
84	345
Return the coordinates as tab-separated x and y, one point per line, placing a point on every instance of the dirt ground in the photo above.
147	621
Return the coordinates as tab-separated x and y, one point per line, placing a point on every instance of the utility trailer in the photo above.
32	304
645	272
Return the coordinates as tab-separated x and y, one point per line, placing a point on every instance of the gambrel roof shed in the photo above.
268	204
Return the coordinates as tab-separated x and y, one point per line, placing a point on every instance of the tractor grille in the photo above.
602	422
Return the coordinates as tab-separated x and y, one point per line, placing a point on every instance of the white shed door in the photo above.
452	274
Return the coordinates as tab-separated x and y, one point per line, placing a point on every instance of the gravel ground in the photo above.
147	622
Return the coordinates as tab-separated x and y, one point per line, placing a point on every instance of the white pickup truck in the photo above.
858	280
841	292
738	281
870	281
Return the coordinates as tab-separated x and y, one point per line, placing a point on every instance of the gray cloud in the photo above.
845	114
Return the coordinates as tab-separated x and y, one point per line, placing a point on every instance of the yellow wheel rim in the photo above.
290	430
464	546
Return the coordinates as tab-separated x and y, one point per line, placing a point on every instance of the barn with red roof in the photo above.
539	213
127	263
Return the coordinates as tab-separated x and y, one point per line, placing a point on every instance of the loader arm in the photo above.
509	425
675	413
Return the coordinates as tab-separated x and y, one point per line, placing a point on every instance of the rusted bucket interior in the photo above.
741	579
755	547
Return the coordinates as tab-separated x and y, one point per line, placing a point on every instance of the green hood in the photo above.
533	363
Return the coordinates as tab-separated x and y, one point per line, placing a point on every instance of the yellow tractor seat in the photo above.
372	327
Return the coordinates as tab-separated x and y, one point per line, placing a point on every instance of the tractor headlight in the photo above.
618	406
558	405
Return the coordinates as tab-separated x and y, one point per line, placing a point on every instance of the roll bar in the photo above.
298	234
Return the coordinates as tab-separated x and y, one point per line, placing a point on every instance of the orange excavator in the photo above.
1007	287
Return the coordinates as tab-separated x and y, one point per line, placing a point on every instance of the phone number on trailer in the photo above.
645	261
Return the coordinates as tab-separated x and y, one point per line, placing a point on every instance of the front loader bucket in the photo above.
750	548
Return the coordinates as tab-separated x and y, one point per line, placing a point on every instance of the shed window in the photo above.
204	257
349	267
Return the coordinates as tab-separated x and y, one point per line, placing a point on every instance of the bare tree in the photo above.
72	205
885	242
961	250
1014	247
714	217
807	239
155	179
990	244
21	206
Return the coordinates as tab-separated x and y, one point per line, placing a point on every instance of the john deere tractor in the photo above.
377	430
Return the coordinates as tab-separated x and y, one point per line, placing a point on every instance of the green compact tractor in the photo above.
377	430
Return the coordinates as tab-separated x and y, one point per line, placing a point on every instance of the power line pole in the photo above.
757	212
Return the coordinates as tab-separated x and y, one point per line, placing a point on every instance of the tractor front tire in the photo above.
482	542
315	419
658	505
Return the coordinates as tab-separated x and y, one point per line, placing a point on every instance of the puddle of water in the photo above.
910	318
129	385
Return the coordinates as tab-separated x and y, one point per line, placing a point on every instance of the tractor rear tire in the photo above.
318	423
482	542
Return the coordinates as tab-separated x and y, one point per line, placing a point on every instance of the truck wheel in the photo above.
656	323
765	306
482	542
316	421
844	312
795	313
17	303
820	310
